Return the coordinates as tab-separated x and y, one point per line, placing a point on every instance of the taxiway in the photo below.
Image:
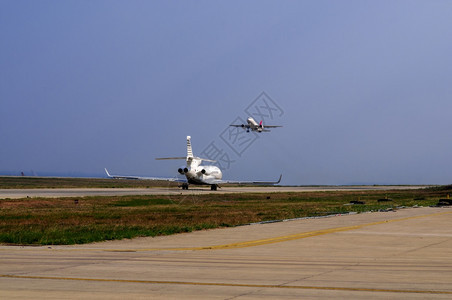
83	192
405	254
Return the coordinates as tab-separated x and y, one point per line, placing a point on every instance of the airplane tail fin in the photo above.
260	128
189	149
191	159
189	153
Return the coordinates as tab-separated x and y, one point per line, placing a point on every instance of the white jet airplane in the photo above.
195	173
252	124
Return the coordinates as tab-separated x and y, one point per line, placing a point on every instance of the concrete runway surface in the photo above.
406	254
82	192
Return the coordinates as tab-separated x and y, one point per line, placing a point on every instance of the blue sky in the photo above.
364	87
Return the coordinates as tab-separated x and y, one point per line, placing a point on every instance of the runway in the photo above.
404	254
84	192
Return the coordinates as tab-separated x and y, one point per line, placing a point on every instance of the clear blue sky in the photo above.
365	87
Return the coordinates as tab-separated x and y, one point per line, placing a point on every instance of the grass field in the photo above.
44	221
18	182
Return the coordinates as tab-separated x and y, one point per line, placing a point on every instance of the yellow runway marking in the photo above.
230	284
283	238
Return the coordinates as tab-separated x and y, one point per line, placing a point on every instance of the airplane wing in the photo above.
143	178
272	126
240	125
216	181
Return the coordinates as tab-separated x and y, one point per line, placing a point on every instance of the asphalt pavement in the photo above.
403	254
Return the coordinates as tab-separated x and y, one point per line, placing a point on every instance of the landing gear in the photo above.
213	187
184	186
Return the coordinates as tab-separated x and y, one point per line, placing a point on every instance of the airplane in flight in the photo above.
252	124
195	173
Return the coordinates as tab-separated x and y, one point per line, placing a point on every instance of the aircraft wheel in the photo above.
213	187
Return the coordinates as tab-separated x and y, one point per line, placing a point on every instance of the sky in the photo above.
362	88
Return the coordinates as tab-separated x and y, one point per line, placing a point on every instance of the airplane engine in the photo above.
182	171
203	171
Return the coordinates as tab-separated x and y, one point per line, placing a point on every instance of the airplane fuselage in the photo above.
197	174
202	174
253	125
252	122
